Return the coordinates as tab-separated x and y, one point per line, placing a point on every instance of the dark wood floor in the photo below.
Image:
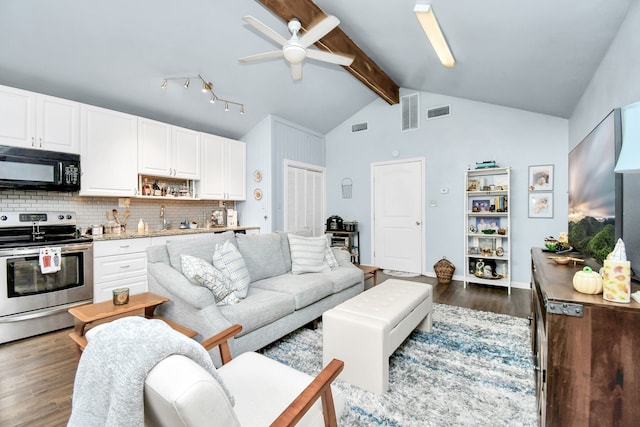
36	374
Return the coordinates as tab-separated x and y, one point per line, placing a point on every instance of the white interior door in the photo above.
304	198
398	215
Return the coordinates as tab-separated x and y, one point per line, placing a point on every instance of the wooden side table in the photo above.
89	315
370	272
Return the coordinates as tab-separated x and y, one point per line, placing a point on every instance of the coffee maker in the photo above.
335	223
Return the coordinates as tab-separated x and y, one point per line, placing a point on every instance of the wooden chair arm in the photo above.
320	387
221	340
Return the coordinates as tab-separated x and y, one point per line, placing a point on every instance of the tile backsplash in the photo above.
92	210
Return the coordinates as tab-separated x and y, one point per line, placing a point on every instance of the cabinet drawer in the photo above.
120	247
119	267
104	291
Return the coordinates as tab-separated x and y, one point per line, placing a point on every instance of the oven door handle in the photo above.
41	313
65	249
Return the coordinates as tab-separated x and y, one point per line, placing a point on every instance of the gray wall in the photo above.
473	132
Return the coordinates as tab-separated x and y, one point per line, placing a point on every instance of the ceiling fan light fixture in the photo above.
429	23
294	53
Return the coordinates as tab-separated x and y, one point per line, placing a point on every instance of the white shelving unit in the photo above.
487	241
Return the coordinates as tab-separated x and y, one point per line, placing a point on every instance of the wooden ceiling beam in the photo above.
363	68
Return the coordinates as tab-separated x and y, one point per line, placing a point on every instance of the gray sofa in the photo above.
278	302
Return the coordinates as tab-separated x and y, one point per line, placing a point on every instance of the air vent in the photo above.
410	112
359	127
436	112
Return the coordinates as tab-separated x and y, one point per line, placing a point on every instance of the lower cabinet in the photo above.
119	264
584	350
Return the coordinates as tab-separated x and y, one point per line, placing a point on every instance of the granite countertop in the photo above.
171	232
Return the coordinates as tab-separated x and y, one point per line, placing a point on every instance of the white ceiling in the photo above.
532	55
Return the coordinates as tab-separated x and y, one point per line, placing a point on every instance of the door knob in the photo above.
417	222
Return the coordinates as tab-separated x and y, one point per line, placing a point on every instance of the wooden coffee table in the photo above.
87	316
371	272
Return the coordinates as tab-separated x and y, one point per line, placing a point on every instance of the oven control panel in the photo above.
21	219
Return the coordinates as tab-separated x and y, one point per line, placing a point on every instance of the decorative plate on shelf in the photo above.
257	194
257	176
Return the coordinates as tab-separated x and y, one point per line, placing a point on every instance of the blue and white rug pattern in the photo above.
474	369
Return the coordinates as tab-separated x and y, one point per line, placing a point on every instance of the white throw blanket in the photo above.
109	384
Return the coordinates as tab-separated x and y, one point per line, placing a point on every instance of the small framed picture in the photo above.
472	185
541	178
480	205
541	205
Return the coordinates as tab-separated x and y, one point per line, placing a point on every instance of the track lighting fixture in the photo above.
207	87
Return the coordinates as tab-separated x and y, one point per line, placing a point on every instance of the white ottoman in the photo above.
365	330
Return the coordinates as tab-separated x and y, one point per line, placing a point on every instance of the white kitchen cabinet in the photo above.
224	166
109	152
119	264
168	151
33	120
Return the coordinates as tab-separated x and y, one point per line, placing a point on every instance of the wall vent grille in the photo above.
410	112
433	113
359	127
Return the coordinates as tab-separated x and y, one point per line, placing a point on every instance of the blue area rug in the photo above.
474	369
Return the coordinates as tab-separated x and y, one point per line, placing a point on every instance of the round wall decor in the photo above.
257	194
257	176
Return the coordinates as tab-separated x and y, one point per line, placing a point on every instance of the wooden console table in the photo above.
584	349
87	316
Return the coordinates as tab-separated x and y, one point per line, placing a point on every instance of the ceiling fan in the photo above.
295	49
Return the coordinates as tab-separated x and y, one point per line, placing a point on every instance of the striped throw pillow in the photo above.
308	254
229	261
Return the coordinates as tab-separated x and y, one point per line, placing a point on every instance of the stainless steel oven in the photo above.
33	302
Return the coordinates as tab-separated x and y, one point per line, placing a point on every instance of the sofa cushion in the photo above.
258	309
342	277
229	261
204	274
202	247
286	252
262	255
307	254
305	289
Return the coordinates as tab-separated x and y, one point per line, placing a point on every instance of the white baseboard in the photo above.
460	278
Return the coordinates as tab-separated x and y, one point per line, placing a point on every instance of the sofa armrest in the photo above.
343	257
179	286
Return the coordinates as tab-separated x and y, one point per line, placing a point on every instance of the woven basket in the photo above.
444	270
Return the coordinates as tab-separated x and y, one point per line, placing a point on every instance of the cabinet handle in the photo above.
125	246
40	142
125	266
33	141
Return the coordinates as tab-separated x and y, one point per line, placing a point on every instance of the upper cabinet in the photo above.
33	120
166	150
108	152
224	165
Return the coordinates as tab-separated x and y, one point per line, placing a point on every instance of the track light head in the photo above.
207	87
226	106
164	84
213	99
186	83
242	109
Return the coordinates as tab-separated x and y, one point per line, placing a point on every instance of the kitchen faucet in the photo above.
164	220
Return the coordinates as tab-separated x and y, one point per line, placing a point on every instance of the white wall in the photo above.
474	132
252	211
616	82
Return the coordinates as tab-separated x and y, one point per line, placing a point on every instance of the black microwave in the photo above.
29	169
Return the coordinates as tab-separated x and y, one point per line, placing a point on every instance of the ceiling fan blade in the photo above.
267	31
319	30
296	71
265	55
333	58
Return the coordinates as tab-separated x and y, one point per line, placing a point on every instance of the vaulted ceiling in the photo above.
537	56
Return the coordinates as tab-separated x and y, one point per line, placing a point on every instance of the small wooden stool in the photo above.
370	272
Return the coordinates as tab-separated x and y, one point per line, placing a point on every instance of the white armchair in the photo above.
179	392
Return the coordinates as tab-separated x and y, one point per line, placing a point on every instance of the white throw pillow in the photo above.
329	257
308	254
204	274
229	261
